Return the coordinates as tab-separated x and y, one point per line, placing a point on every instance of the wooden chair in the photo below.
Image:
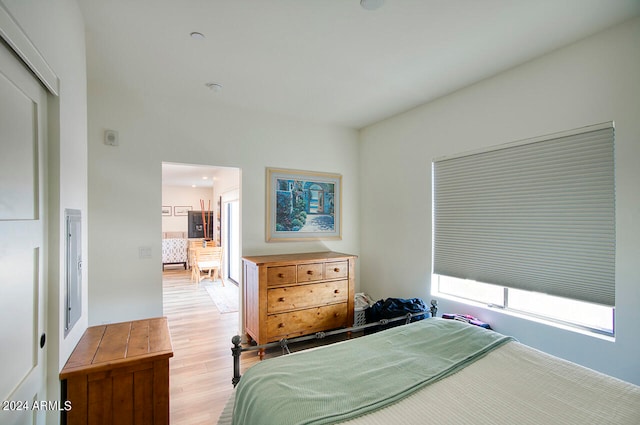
208	259
191	255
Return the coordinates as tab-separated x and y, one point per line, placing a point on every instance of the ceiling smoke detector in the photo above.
371	4
214	86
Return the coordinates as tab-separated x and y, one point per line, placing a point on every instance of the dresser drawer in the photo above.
304	296
305	322
290	295
281	275
310	272
336	270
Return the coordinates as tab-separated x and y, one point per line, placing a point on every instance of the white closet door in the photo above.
22	250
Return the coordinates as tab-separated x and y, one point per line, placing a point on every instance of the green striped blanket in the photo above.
339	382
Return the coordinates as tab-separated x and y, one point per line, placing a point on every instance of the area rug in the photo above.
225	297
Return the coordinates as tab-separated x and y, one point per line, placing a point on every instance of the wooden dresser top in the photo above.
105	346
298	257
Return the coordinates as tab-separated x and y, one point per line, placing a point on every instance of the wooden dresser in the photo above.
119	374
290	295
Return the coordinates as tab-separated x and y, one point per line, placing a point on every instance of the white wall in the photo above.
226	187
125	183
590	82
56	28
184	196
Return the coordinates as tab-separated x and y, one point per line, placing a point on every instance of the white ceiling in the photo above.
188	175
327	61
199	176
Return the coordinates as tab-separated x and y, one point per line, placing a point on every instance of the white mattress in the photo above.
513	384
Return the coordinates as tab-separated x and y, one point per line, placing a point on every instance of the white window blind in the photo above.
536	215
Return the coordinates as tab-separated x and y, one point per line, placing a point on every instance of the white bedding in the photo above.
513	384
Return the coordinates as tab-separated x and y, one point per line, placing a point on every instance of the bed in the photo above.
174	251
437	370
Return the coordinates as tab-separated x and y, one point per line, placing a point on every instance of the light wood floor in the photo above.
201	368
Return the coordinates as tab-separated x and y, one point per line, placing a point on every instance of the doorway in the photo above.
205	191
231	222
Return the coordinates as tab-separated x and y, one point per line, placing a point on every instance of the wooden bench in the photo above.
119	374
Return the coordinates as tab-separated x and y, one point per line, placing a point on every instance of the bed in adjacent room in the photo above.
435	370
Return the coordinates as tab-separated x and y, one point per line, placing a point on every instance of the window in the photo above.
592	317
530	226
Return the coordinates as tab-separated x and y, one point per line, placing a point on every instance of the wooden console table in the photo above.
119	374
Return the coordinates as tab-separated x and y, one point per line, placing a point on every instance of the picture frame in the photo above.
303	205
166	210
181	210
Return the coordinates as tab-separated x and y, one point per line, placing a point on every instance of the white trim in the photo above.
15	37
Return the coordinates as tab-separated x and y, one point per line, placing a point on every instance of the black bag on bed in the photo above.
394	307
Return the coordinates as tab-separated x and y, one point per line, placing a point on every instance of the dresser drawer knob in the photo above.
281	325
280	275
309	272
336	270
281	299
337	291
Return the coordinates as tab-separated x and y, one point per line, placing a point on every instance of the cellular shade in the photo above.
537	215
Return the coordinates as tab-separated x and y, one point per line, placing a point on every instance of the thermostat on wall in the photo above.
111	138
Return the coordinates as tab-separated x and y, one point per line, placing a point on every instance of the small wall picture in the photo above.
303	205
181	210
166	210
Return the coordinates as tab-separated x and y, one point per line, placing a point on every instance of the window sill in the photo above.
525	316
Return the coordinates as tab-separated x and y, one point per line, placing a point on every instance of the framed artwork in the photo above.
303	205
182	210
166	210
